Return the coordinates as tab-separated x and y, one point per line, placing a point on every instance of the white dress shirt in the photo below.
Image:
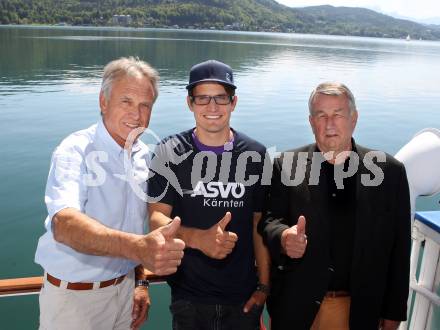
88	173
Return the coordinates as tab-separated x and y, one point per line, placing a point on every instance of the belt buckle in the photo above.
118	279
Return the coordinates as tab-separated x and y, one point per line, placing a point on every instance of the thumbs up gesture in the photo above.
160	251
216	242
294	239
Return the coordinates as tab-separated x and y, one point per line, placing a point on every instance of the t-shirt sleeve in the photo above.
65	186
161	178
260	189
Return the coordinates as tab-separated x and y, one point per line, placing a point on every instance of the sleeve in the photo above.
259	196
273	222
396	294
161	178
65	186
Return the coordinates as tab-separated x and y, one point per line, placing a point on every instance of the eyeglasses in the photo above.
206	99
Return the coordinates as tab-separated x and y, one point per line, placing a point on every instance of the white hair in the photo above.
128	66
335	89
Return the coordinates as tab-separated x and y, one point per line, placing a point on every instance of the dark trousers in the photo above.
188	315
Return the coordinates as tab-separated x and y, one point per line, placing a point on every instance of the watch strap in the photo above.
144	283
263	288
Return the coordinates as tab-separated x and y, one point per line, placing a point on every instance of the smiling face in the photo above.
332	122
211	119
128	107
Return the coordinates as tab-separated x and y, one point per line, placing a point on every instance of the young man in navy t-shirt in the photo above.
210	177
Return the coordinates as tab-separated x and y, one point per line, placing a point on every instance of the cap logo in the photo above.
228	77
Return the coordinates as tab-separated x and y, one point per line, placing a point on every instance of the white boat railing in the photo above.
425	262
421	157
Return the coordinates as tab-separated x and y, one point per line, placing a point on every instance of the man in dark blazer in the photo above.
337	227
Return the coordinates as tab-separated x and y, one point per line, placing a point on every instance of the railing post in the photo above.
417	240
426	280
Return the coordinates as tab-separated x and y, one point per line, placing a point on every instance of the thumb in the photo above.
170	230
301	225
249	305
225	220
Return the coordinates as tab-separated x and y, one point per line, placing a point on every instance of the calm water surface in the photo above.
49	85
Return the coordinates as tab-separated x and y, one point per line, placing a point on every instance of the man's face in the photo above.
128	107
332	122
211	118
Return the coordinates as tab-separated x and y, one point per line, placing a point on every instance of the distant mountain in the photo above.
432	20
248	15
364	22
425	21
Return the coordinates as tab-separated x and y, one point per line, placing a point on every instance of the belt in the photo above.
84	286
336	294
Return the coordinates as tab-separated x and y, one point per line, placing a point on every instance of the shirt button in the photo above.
317	302
331	269
333	195
280	267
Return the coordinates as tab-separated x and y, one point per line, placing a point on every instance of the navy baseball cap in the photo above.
211	70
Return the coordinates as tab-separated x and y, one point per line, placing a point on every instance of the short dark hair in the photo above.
229	90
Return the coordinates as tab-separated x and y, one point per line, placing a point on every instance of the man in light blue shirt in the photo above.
95	247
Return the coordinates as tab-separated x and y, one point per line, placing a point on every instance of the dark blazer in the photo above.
379	279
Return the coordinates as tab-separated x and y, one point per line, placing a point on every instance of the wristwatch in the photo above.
144	283
263	288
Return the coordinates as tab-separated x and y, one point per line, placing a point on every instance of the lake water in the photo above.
49	85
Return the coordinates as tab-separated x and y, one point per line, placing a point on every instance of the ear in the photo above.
189	102
354	118
102	103
234	102
312	125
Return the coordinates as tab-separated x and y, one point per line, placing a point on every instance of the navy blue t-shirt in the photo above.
201	191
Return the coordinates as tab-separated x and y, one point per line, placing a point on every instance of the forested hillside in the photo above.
246	15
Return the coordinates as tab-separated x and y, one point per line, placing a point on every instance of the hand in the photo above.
294	239
388	324
216	242
258	298
141	305
159	251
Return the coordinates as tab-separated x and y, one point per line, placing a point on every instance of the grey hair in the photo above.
335	89
128	66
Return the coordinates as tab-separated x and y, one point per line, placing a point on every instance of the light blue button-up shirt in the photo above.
88	173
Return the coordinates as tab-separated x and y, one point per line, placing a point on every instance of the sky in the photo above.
417	9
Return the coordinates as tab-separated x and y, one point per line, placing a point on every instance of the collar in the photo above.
109	143
227	146
188	139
